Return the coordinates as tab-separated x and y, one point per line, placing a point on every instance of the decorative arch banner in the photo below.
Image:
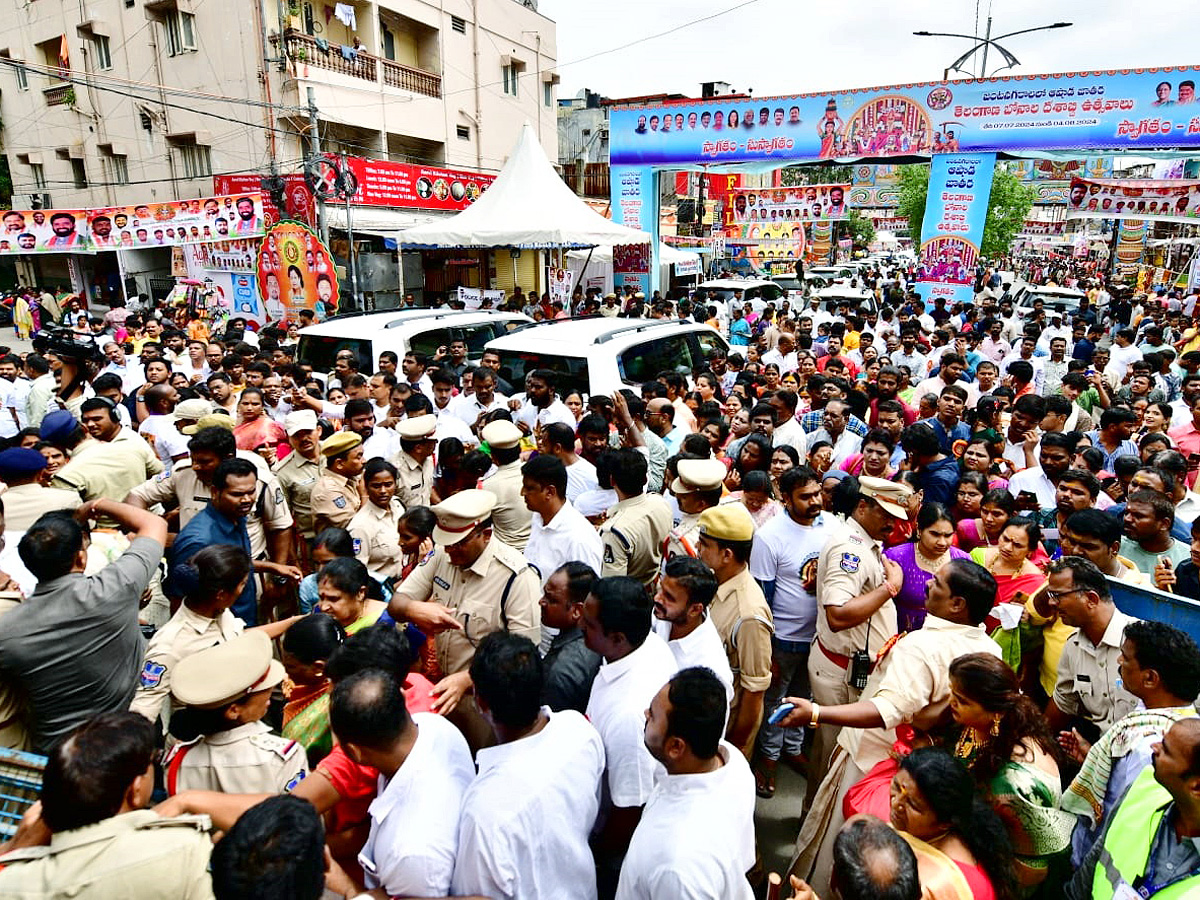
295	271
952	232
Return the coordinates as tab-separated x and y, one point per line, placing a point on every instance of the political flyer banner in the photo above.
1037	170
1161	201
382	182
561	282
769	243
299	199
1129	109
688	267
175	222
472	298
631	266
808	203
295	271
44	231
959	186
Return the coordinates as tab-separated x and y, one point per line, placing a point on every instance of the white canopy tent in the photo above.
528	206
599	266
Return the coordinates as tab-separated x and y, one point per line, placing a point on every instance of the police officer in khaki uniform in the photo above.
855	612
414	462
226	689
697	488
375	528
134	852
26	499
472	585
511	518
741	616
636	527
298	473
337	495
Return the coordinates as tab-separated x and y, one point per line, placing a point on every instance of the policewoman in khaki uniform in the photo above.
511	518
375	528
414	462
855	612
470	586
298	473
741	616
696	488
225	746
337	495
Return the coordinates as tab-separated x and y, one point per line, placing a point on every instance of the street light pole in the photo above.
984	43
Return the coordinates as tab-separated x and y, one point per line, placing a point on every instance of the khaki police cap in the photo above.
501	434
459	513
698	475
192	410
212	420
219	675
337	444
730	522
417	428
893	496
300	420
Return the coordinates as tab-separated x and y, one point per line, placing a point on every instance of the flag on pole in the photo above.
64	57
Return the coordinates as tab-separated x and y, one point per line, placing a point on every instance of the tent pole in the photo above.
583	272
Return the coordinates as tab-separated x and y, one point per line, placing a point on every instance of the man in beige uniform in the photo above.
855	612
106	460
511	518
299	472
26	500
337	495
472	585
636	527
697	488
414	462
741	616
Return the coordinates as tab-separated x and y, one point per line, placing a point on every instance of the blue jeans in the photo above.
789	678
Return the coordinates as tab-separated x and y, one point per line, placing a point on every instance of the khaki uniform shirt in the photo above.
743	620
1089	682
633	536
136	854
684	539
414	483
852	564
25	503
498	592
186	633
13	734
108	469
298	476
269	513
335	499
247	759
376	541
511	518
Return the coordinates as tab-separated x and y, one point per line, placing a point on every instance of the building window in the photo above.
38	172
79	173
464	132
458	24
510	78
120	169
181	32
19	70
103	57
548	93
196	160
389	43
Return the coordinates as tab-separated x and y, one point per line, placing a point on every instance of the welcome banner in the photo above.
802	203
1163	201
959	187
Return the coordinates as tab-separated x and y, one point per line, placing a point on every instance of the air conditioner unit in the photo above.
40	201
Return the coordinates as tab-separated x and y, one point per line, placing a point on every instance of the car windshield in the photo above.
321	350
572	370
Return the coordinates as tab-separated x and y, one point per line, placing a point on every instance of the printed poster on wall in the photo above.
298	197
177	222
44	231
959	187
382	182
1173	201
807	203
296	271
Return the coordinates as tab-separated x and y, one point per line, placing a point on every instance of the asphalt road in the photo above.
777	822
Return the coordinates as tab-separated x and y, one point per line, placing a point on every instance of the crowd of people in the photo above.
421	632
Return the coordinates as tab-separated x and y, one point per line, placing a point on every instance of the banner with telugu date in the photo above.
959	187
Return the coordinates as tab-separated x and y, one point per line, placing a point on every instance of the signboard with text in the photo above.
385	183
299	198
959	187
176	222
1162	201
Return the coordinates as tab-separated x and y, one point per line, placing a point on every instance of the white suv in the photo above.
402	331
597	355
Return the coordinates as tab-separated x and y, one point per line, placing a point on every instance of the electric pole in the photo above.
314	148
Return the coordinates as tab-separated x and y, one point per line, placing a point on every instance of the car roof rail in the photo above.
396	323
641	326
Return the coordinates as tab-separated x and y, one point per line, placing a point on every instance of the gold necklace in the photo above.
968	743
936	562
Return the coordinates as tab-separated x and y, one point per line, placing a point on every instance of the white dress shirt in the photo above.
703	647
847	444
696	836
621	694
468	408
1034	480
581	478
535	419
526	817
568	537
384	443
413	841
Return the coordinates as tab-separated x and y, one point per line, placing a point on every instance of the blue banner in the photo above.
1129	110
634	196
957	206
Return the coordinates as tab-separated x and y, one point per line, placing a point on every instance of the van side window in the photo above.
643	362
709	343
427	342
478	335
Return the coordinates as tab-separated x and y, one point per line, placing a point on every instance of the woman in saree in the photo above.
996	508
307	647
999	734
342	587
1011	563
255	428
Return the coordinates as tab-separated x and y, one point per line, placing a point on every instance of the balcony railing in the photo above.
306	50
59	94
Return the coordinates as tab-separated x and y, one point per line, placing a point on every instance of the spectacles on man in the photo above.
1055	596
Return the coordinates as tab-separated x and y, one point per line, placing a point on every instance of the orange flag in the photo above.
64	56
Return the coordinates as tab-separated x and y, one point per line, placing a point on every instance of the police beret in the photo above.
18	461
459	513
58	426
501	434
339	443
417	428
219	675
730	522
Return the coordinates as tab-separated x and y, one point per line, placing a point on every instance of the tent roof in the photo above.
527	206
666	254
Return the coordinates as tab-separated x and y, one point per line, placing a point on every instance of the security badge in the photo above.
152	674
850	563
608	554
339	501
357	545
441	582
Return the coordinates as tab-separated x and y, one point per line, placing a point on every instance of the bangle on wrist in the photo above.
815	720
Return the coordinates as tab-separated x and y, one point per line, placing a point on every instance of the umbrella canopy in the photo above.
527	206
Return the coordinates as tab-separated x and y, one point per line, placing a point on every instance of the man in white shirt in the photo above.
158	428
787	429
833	429
1055	452
194	364
527	815
424	768
1121	355
783	356
541	406
696	835
637	663
132	376
951	370
482	398
378	443
681	618
413	367
558	533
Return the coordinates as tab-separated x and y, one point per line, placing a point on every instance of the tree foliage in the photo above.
1008	205
815	174
862	232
